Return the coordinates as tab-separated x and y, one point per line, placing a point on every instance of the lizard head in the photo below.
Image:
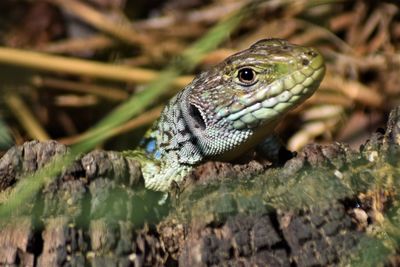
236	104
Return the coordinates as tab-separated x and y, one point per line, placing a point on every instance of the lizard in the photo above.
228	109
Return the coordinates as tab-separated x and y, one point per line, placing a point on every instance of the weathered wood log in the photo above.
315	210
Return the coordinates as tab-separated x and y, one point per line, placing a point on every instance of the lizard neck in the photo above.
171	137
169	147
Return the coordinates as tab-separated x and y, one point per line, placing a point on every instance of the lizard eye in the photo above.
247	76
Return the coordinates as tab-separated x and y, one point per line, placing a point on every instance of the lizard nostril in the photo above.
196	115
305	62
312	53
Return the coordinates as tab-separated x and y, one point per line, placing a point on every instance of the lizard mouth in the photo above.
197	116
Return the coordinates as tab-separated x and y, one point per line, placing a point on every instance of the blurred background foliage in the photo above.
93	55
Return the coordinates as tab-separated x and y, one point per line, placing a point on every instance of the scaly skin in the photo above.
228	109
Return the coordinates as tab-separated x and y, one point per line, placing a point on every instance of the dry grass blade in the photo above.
82	67
120	29
354	90
112	94
78	45
24	116
309	131
210	14
144	119
325	97
76	101
318	120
